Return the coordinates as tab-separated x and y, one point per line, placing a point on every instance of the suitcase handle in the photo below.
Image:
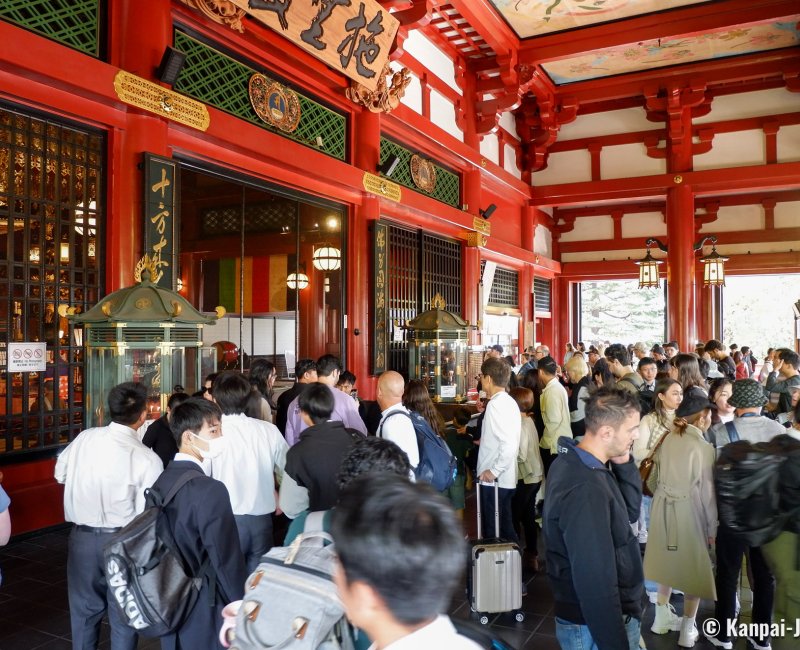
496	509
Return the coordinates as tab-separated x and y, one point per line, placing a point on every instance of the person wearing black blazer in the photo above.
201	521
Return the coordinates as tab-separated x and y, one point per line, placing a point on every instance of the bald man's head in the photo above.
390	389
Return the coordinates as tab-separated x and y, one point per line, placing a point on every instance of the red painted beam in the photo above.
633	243
710	182
482	17
688	20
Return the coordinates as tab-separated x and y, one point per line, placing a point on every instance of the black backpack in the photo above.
758	488
437	465
146	575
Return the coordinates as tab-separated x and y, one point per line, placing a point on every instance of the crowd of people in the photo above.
563	444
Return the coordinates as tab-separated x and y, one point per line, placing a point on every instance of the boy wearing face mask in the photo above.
201	521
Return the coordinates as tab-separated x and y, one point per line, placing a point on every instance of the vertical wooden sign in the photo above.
380	344
160	218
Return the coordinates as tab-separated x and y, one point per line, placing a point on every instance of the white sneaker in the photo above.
666	620
758	646
725	645
689	633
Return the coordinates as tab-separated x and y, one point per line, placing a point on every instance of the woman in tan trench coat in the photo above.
683	519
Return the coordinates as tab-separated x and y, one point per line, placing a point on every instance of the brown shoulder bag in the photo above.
646	467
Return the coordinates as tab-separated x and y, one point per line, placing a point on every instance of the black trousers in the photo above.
730	552
523	506
504	497
89	596
255	537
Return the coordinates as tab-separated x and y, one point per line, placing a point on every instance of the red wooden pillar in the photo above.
367	133
470	301
138	39
681	318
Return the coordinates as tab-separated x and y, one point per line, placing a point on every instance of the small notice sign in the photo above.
27	357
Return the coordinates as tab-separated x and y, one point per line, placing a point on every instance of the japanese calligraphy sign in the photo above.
160	220
380	343
351	36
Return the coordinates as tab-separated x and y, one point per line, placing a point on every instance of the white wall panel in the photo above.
490	147
413	95
787	215
766	247
508	122
789	143
628	161
443	115
755	104
543	241
608	123
431	57
565	167
733	150
735	218
644	224
601	256
510	160
589	229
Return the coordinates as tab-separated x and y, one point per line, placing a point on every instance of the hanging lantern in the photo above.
297	281
713	269
649	277
327	258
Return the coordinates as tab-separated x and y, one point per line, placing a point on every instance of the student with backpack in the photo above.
200	520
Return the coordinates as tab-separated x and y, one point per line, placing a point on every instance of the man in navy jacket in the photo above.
201	521
594	564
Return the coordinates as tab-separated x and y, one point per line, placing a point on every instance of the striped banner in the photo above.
260	281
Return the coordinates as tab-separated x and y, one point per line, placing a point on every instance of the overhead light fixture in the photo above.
488	212
297	281
713	264
64	252
649	277
35	254
388	166
171	65
327	258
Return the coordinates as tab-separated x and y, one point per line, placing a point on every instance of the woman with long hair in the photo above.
570	350
685	369
719	391
579	382
262	377
683	521
601	373
742	367
416	398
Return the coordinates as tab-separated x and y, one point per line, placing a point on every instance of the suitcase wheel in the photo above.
519	617
484	619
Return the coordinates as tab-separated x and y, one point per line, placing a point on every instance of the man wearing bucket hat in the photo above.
748	424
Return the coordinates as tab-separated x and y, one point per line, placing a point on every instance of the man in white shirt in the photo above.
253	454
105	472
497	455
397	428
345	409
554	404
395	584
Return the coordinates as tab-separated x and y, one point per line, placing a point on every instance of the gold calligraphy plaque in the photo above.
482	226
145	94
382	187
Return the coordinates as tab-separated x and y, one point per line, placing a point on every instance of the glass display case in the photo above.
146	334
437	345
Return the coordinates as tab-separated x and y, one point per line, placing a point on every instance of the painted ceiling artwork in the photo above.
647	55
536	17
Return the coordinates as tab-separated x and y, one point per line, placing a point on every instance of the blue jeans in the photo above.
572	636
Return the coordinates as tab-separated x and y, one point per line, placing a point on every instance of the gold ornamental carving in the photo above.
423	173
382	186
150	266
274	103
386	96
482	225
223	12
145	94
476	240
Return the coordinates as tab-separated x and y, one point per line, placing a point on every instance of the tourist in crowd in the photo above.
671	348
719	391
619	362
158	435
578	372
347	382
305	372
749	359
416	398
657	352
767	366
601	374
639	351
789	418
530	473
554	404
208	386
397	428
262	376
685	369
724	361
683	521
570	350
785	375
647	370
742	368
461	444
592	356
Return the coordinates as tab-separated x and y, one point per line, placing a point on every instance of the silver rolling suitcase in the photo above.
494	578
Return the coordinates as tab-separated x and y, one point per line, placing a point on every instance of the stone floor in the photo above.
34	611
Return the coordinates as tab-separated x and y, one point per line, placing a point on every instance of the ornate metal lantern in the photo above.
713	268
648	270
437	346
144	333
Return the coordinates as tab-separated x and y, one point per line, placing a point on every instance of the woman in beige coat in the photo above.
683	519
